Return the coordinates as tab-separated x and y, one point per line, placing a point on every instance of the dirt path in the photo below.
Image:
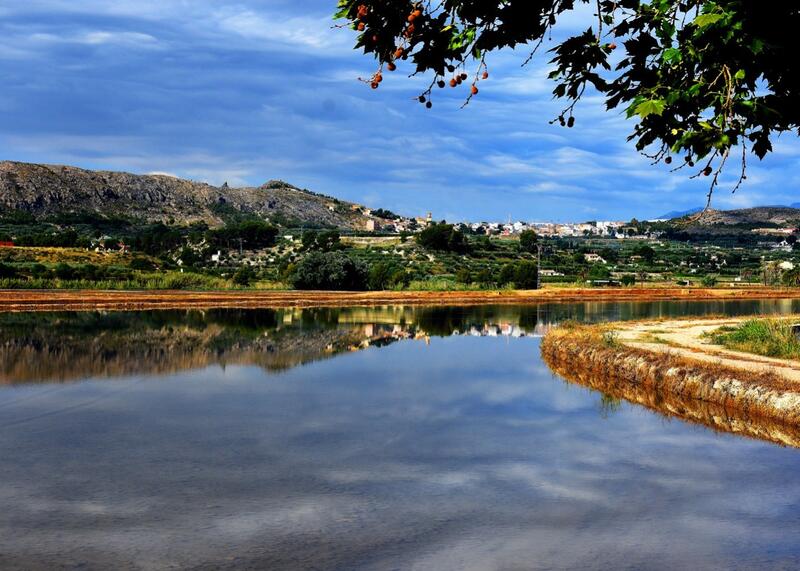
71	300
686	338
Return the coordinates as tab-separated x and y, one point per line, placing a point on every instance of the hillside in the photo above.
743	226
51	190
678	213
777	216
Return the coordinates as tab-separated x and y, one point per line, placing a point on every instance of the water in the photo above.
387	438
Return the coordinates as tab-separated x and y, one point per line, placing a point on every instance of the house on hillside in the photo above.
594	258
103	244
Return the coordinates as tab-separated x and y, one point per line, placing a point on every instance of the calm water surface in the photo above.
386	438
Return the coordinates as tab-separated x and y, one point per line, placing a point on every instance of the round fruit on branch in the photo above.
698	77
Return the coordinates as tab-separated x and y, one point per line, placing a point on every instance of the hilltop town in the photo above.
68	227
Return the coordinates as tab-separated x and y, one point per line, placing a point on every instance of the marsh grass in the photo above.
652	337
443	284
767	337
611	339
582	354
139	281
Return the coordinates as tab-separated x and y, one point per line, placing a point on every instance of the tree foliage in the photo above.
700	77
528	242
330	271
324	241
249	234
523	274
386	275
443	237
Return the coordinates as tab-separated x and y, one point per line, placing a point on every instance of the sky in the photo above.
249	91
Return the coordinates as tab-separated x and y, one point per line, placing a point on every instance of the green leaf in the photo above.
672	55
650	107
739	75
705	20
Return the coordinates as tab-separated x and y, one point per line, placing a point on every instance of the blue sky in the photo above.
249	91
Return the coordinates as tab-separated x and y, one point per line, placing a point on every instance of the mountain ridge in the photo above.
47	190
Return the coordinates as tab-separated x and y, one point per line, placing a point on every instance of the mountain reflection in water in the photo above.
59	347
467	453
71	346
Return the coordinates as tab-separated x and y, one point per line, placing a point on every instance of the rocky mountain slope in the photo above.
743	225
782	216
46	190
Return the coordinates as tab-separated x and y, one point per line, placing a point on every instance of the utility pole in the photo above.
538	266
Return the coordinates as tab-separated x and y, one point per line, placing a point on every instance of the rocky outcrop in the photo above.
48	190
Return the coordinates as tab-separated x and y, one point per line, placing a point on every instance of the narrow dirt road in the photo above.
687	338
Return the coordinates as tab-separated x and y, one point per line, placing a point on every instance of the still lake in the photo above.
364	438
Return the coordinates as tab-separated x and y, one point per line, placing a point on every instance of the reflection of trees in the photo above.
64	346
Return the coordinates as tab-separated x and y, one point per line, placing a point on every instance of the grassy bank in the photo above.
159	281
663	398
768	337
600	355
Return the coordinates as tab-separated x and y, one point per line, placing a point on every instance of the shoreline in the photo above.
670	367
77	300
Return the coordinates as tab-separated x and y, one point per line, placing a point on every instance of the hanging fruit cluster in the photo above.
400	32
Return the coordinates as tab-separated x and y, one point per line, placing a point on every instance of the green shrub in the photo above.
768	337
7	270
142	264
249	234
523	274
484	277
244	276
325	241
507	274
526	275
444	238
330	271
528	242
64	271
464	276
599	272
386	275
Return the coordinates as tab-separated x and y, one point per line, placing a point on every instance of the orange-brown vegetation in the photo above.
39	300
760	403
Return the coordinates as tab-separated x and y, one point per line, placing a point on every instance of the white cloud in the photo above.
303	32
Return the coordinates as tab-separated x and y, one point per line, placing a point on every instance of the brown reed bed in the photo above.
759	404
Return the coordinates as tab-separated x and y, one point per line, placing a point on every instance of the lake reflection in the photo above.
197	440
72	346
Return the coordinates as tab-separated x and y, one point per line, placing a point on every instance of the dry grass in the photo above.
18	300
67	255
669	401
582	353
